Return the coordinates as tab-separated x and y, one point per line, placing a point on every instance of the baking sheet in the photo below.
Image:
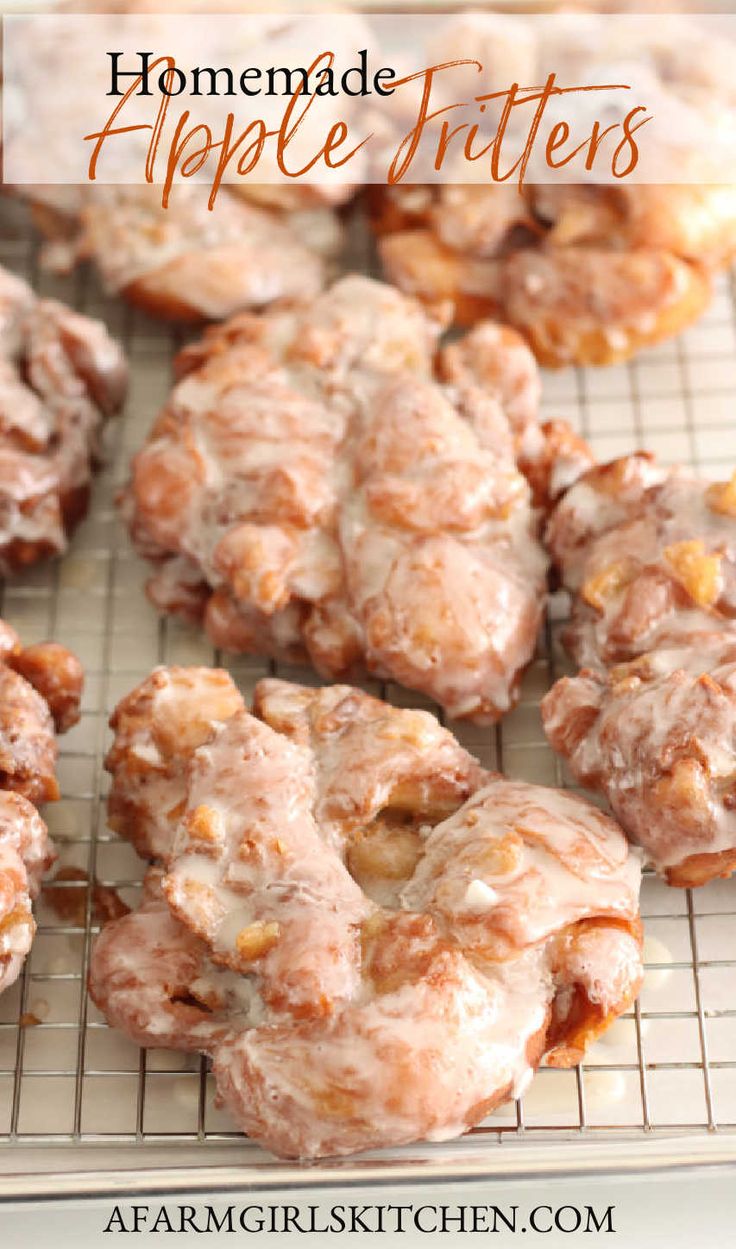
76	1096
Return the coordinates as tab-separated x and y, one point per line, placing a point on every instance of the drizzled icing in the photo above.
361	1023
425	1060
308	490
634	516
574	298
157	727
25	854
60	375
264	887
40	688
651	555
212	264
589	274
657	736
154	979
541	852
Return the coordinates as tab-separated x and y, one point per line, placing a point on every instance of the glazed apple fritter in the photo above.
311	492
61	375
650	557
410	934
40	691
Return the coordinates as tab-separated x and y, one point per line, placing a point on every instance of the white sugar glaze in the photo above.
366	1018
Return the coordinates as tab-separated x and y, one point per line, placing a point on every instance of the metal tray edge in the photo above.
527	1161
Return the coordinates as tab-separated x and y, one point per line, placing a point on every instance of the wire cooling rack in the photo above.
82	1109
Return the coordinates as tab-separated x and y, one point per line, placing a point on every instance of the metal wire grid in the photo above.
68	1079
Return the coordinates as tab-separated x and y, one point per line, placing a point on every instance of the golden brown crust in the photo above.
157	727
424	267
698	869
655	737
569	1038
27	744
58	676
188	263
61	375
25	854
170	994
33	683
600	308
37	686
649	721
374	939
553	467
595	276
650	555
310	491
145	295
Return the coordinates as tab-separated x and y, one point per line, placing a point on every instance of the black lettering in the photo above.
480	1219
187	1216
357	1223
253	72
418	1222
140	1216
225	1224
362	71
401	1211
198	73
560	1225
259	1226
379	75
337	1219
288	76
141	72
326	83
314	1223
291	1219
117	1219
533	1219
509	1223
162	1220
448	1218
168	77
594	1224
